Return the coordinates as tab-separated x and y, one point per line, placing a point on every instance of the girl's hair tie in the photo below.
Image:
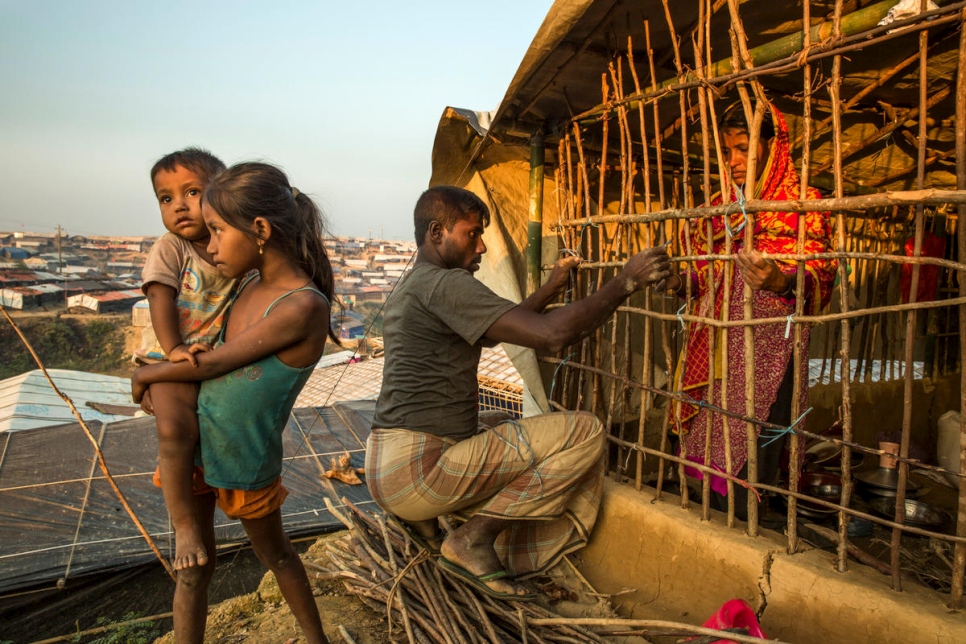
295	192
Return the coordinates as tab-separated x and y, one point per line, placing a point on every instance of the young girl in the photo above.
274	333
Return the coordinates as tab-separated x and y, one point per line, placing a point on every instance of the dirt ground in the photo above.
262	617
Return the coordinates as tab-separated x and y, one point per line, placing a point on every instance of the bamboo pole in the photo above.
959	552
595	339
647	399
658	148
880	257
739	45
791	523
97	448
700	42
587	249
610	251
910	336
535	218
845	329
565	196
827	317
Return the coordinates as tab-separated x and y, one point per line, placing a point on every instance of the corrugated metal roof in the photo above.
115	296
355	381
38	289
495	363
363	380
28	401
18	276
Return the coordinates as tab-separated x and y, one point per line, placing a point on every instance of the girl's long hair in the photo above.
249	190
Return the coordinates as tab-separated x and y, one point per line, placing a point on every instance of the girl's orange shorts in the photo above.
237	504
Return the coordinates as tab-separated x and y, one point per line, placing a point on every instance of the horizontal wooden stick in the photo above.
791	319
803	257
649	624
888	199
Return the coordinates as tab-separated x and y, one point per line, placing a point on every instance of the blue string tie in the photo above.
740	201
553	381
775	434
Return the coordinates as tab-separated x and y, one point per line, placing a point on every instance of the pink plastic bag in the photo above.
735	613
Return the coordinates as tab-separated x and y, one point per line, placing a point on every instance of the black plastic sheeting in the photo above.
60	518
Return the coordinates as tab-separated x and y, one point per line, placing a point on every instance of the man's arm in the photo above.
561	327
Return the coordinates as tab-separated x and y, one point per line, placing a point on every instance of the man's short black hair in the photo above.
447	205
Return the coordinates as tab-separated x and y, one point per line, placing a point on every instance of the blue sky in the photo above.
345	96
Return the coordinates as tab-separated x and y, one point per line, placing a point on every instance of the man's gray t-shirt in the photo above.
432	327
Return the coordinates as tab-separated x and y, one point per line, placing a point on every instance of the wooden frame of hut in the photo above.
613	118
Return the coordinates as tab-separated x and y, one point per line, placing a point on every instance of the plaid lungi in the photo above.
545	473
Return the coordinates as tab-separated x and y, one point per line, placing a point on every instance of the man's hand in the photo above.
762	274
646	268
187	352
560	273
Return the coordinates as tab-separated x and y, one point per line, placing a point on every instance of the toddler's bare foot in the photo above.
189	549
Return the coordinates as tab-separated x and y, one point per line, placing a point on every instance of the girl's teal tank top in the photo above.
241	416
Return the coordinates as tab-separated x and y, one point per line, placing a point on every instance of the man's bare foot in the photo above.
189	549
428	529
426	535
470	547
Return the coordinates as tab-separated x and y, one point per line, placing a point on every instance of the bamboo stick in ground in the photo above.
345	635
99	455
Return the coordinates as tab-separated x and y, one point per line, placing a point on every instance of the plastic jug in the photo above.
947	444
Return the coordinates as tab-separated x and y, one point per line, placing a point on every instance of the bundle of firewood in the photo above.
379	563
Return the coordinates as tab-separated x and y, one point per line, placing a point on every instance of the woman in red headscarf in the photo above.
773	285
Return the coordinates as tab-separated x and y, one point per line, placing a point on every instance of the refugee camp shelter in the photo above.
28	297
28	401
105	301
607	142
140	313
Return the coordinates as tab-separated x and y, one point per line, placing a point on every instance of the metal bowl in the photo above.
811	510
822	485
883	481
917	513
829	456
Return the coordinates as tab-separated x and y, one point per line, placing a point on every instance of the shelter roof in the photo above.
560	77
117	296
27	401
61	518
363	380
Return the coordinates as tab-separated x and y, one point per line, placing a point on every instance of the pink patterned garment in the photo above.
772	357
